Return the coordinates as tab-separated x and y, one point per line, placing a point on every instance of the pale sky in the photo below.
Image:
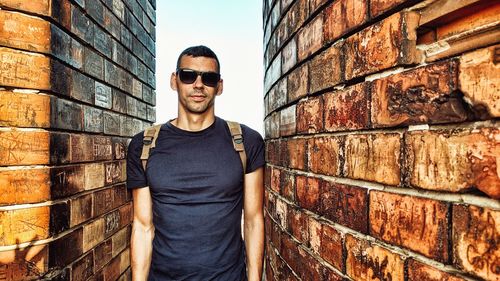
233	30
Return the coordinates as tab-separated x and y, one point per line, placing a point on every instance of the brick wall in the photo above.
382	135
76	82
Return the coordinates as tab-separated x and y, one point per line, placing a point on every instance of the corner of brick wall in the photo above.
77	80
382	139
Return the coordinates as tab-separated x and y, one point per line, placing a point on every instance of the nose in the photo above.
198	83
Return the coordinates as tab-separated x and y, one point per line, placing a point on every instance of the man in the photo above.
188	202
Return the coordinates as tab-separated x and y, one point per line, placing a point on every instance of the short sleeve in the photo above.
136	176
254	149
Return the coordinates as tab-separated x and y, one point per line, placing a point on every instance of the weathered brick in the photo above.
81	26
83	268
60	148
60	255
289	56
372	262
454	161
93	64
275	180
385	44
479	77
308	192
324	155
66	114
347	109
24	110
310	38
378	7
273	73
111	123
102	148
112	222
24	147
60	216
94	175
24	70
25	32
310	116
119	148
66	181
342	16
281	213
298	224
288	122
119	101
310	267
373	157
27	263
93	119
297	15
103	253
289	252
421	271
287	185
22	186
93	233
345	204
475	241
326	69
81	148
120	240
427	94
111	73
82	88
41	7
331	249
297	83
114	172
277	95
23	225
416	223
315	231
103	96
81	209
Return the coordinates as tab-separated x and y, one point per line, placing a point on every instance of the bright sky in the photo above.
233	30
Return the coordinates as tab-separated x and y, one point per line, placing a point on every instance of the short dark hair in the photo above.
198	51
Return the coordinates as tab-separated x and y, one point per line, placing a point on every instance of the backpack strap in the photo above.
235	129
149	142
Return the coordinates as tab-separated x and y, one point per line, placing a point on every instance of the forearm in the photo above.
254	243
141	250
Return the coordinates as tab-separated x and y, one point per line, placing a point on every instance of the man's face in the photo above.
196	97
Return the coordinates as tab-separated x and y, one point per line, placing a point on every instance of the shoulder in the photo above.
250	134
136	141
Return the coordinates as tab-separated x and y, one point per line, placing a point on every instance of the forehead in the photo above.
198	63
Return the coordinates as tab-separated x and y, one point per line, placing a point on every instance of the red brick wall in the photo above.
76	82
382	139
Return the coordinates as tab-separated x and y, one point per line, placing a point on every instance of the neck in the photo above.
193	122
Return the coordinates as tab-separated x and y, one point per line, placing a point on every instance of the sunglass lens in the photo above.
187	76
210	78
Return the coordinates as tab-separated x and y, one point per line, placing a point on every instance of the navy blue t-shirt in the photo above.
196	184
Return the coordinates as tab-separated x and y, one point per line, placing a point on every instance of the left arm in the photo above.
254	223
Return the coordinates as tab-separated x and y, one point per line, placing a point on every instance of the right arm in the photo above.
142	234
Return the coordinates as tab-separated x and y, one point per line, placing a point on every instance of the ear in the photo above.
220	87
173	81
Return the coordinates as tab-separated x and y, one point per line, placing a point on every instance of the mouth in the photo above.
198	97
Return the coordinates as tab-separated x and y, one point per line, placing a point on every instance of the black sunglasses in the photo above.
188	76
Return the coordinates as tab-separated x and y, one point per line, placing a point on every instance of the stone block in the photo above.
82	88
23	225
66	181
93	119
310	38
297	83
111	123
342	16
24	70
66	114
347	109
103	95
308	192
81	209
